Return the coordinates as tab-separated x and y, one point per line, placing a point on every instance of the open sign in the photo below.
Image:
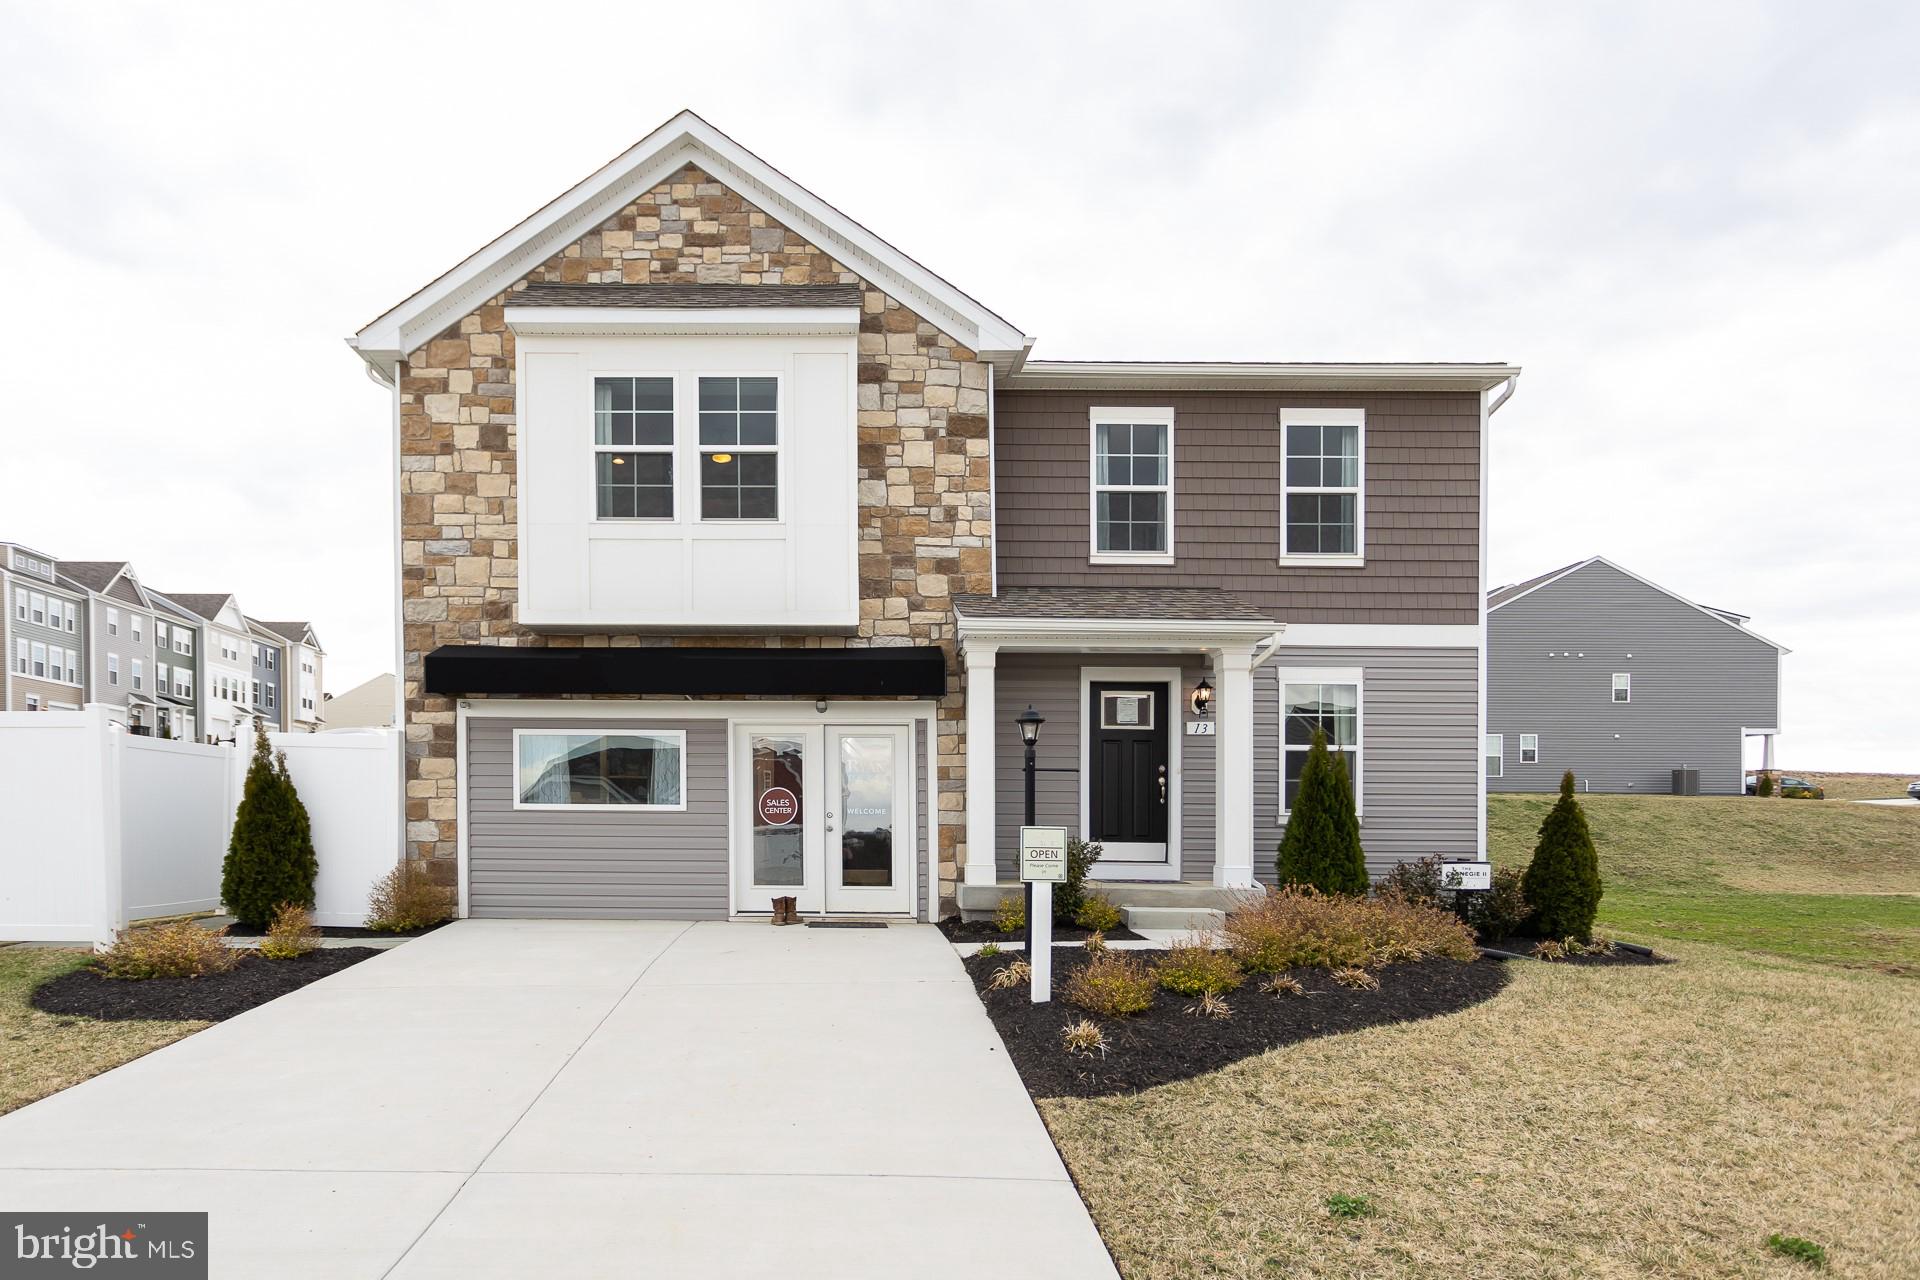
778	806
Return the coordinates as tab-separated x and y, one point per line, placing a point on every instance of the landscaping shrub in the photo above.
1551	949
179	950
988	950
1763	785
1798	1248
1321	846
1097	913
1015	973
1083	1039
1112	983
1296	927
1357	978
1096	942
1803	793
1281	985
1211	1005
1503	910
1419	882
1070	894
1011	915
1563	880
407	897
292	933
270	857
1194	968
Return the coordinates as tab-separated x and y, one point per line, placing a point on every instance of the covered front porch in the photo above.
1147	746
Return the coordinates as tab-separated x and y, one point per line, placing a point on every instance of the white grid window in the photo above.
1321	512
113	668
1327	700
21	656
39	608
739	448
1496	754
39	659
137	622
633	448
113	622
139	672
1529	748
1623	686
20	603
1132	509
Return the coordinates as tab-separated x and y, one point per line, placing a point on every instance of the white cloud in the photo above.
1693	225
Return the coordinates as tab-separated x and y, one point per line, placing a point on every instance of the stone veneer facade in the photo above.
923	480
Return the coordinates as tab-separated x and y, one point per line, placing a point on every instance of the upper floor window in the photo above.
1321	487
113	668
113	622
270	658
162	682
21	661
633	448
1623	686
20	603
40	658
1132	484
739	449
1529	748
137	622
39	608
73	610
138	668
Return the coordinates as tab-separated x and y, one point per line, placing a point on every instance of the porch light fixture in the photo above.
1029	722
1203	697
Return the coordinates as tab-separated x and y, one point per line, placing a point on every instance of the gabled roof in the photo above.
94	575
298	632
686	139
207	605
1501	596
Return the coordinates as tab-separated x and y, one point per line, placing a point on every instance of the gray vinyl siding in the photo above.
122	646
597	862
1421	474
14	629
1419	761
1419	752
1697	681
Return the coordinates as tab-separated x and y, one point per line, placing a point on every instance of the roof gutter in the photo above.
1506	393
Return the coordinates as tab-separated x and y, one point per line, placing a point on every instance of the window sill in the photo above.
1322	562
1116	558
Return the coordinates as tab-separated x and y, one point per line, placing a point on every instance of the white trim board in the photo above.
683	140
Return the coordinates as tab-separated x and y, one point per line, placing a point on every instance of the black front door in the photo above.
1127	769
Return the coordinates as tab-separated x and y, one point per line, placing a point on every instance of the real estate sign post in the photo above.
1043	864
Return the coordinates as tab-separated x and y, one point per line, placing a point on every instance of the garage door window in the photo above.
598	770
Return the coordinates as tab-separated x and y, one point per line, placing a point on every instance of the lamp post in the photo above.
1029	722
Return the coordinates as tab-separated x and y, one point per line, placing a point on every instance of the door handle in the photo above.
1163	784
829	821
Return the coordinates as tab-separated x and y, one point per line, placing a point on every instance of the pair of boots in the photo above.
785	911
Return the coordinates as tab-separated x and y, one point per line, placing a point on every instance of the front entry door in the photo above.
824	816
1127	784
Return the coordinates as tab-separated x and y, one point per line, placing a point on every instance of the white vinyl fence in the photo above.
99	827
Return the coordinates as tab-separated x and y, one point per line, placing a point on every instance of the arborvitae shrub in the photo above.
1321	846
1563	881
270	857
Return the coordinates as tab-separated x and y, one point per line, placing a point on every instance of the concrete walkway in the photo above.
593	1098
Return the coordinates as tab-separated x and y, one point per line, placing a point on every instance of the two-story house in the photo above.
732	541
1595	669
43	633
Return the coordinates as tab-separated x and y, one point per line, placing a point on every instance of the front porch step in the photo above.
1177	919
977	901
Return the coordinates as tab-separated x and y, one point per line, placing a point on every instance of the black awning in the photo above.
903	672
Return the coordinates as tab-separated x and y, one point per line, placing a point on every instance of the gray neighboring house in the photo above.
302	676
120	655
177	650
269	663
42	633
1595	669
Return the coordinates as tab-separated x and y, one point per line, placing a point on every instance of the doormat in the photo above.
846	924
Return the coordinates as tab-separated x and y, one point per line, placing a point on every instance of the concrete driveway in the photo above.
509	1098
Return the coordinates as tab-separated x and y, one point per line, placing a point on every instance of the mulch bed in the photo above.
958	930
1620	956
1166	1044
253	981
238	930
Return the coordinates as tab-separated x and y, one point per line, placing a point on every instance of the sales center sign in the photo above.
778	806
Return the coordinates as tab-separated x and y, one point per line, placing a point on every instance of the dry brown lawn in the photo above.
1858	786
1585	1123
42	1053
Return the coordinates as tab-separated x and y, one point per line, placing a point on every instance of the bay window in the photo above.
739	449
1321	487
554	770
1323	699
1132	511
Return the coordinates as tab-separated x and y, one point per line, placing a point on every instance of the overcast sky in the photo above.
1696	226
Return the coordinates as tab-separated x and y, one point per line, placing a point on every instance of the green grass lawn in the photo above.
1812	880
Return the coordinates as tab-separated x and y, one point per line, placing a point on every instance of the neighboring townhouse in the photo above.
303	663
268	654
1595	669
365	706
43	636
120	656
176	668
733	541
225	641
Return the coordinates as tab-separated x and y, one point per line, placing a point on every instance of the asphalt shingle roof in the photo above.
1500	595
206	606
1170	604
686	295
94	575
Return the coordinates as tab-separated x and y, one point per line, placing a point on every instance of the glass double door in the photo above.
824	815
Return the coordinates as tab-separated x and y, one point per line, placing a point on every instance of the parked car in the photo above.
1913	791
1785	784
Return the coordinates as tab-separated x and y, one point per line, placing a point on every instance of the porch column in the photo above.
1233	768
981	704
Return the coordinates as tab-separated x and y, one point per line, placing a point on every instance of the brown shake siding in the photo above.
1422	514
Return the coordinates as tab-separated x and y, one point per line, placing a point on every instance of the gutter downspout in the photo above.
1262	657
993	494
